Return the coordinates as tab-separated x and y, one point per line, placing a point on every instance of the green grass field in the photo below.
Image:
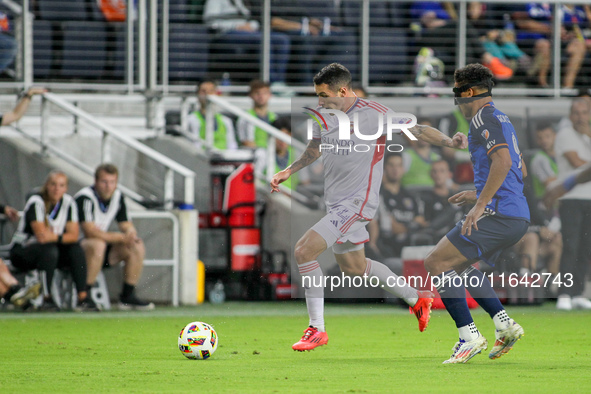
372	348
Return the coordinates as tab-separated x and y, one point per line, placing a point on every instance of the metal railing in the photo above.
173	261
148	34
107	133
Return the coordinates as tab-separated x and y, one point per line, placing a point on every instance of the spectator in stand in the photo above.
543	164
232	21
21	107
223	129
249	135
535	23
316	38
284	153
398	215
8	45
359	90
573	150
439	26
451	124
417	161
47	238
543	237
440	215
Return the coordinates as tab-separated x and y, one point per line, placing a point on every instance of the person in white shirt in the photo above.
573	150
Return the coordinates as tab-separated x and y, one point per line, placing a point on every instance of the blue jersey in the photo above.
491	130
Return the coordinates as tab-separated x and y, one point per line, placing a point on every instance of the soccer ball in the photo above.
198	341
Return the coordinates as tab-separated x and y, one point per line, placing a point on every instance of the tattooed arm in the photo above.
435	137
310	155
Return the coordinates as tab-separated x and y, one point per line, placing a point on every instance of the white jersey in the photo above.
63	212
93	210
353	168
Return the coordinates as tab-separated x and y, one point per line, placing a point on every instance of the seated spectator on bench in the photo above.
99	205
11	291
223	128
47	238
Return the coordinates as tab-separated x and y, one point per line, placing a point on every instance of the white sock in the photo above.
313	282
501	320
382	272
469	333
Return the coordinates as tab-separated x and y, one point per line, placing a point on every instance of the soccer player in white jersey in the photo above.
352	183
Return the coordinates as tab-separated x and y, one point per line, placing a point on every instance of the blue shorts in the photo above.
494	235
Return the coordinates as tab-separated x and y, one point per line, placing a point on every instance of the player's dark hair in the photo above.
335	75
545	125
106	167
257	84
476	74
283	122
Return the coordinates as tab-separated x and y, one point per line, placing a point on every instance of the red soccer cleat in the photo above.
422	309
312	338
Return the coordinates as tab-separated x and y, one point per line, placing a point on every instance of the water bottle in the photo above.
217	295
509	26
225	82
225	79
305	26
326	27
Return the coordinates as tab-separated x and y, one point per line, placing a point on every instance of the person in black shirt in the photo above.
47	238
398	213
439	213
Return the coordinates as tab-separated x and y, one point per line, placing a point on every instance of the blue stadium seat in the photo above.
378	14
178	11
84	51
42	48
117	50
62	10
388	56
188	52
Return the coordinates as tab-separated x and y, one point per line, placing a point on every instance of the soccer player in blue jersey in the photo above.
499	218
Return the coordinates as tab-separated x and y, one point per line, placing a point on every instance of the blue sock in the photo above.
453	294
480	288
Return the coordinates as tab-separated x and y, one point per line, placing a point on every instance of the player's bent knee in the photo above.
432	264
303	254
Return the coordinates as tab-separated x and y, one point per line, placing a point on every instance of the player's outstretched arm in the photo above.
435	137
558	189
499	168
310	155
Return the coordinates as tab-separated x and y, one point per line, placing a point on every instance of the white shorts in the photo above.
343	229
